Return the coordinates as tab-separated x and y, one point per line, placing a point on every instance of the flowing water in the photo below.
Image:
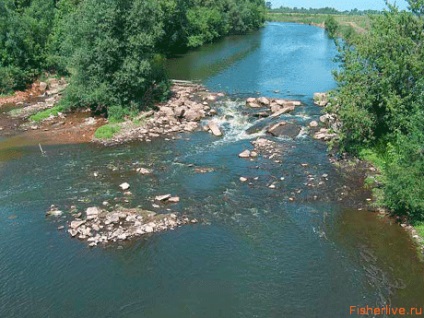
255	253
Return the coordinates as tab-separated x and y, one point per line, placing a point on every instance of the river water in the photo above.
255	252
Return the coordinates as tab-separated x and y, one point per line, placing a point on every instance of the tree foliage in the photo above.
114	49
381	103
24	29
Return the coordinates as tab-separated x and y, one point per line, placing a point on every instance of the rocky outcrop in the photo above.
188	105
277	107
102	227
53	89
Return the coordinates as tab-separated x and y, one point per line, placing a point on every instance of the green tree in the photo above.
380	102
112	56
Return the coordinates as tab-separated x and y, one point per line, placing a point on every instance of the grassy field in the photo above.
359	23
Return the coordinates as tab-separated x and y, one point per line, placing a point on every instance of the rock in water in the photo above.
124	186
214	128
245	154
174	199
54	212
162	197
144	171
313	124
284	129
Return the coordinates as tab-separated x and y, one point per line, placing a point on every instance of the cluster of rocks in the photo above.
267	148
273	107
51	90
328	126
97	226
188	105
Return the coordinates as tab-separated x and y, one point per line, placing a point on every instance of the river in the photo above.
254	253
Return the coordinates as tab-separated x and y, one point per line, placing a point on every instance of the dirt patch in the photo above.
22	96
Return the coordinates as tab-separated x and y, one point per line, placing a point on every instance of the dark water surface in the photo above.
255	253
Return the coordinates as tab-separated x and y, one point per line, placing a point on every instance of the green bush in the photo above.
331	26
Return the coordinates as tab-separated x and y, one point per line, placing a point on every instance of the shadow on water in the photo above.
212	59
386	254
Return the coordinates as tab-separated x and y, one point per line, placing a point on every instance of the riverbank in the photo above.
357	23
38	117
374	164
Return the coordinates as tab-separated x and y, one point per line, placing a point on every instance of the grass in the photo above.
46	113
374	157
420	229
359	23
107	131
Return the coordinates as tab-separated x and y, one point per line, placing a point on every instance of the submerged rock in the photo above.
144	171
54	211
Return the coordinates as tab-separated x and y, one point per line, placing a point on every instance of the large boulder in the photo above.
284	129
214	128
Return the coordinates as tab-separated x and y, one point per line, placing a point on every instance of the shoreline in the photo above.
333	125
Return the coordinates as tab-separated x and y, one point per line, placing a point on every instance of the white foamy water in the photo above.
234	123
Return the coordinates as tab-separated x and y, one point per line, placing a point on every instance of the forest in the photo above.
113	51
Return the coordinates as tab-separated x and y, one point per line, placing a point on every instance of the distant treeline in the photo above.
326	10
113	50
